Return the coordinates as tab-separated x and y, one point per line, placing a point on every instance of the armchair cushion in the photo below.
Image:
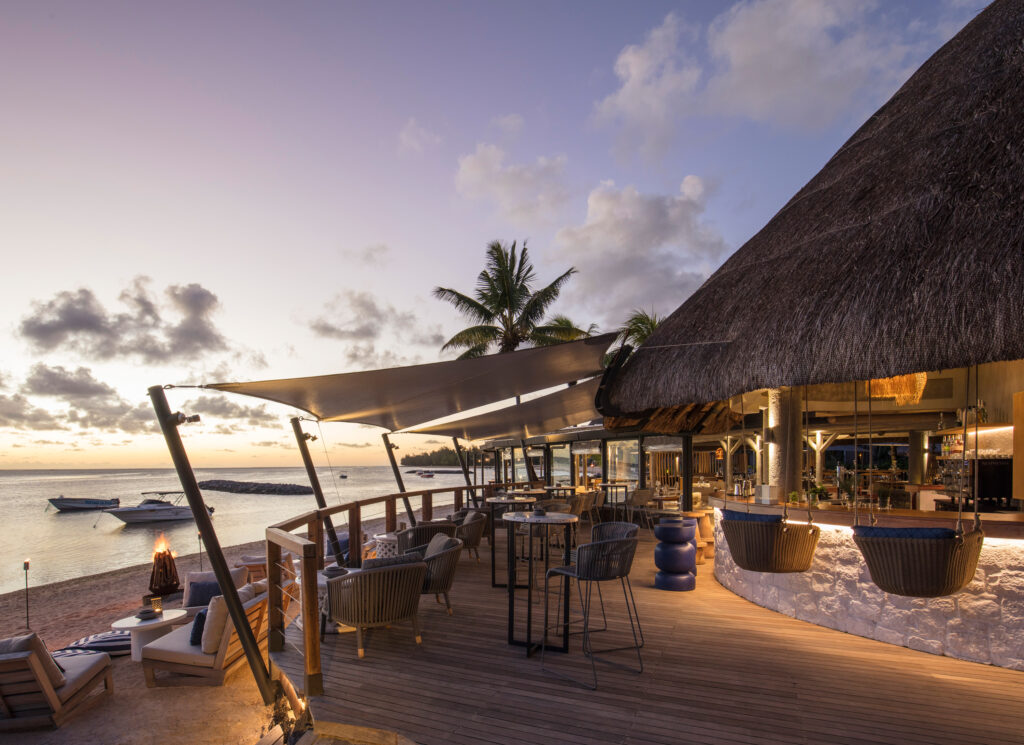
239	575
438	543
32	643
216	619
79	669
175	647
199	593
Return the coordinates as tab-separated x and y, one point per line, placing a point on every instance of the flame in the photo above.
161	546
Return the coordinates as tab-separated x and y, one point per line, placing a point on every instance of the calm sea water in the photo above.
68	545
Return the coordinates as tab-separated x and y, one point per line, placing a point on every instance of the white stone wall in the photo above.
983	623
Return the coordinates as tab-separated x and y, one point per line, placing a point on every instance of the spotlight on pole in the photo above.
177	418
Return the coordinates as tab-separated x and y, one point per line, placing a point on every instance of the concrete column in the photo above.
786	452
915	457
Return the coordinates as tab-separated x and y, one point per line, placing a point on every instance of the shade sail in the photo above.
564	408
402	397
903	254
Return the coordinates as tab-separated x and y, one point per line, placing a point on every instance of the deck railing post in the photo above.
275	598
169	426
457	501
427	507
390	515
355	536
311	621
315	535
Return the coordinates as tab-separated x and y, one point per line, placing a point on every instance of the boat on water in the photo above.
156	508
81	504
426	474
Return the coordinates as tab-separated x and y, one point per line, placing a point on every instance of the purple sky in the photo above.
196	192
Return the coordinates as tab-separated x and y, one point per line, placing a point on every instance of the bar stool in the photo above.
596	562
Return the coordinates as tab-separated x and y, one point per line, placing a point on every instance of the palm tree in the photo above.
638	327
505	308
634	332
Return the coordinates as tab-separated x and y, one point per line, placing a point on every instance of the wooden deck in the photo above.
718	669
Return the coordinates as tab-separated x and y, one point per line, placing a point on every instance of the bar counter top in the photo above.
995	524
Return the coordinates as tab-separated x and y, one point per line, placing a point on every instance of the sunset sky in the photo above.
198	192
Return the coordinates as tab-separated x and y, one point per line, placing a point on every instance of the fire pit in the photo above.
164	578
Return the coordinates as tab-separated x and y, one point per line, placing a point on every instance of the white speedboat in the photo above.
79	504
154	509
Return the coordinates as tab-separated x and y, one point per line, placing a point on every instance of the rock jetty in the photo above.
254	487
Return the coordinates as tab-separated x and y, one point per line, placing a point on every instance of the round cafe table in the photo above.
503	504
512	519
144	631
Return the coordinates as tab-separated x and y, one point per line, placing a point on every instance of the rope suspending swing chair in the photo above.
769	543
923	562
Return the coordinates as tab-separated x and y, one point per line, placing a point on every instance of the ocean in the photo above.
63	546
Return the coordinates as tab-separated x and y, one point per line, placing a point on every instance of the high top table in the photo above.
512	519
612	491
510	502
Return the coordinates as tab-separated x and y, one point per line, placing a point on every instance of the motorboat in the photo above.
156	508
81	504
426	475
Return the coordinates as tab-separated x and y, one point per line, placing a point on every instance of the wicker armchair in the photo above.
376	597
471	532
419	536
440	573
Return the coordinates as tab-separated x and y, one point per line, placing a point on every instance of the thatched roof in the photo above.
905	253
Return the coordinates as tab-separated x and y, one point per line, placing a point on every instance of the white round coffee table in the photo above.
143	632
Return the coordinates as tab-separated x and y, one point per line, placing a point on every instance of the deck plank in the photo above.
718	669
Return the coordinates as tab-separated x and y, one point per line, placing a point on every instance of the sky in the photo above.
199	192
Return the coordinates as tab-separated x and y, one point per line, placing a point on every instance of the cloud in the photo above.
222	407
356	444
797	64
639	250
72	386
17	412
91	403
76	320
415	139
656	81
522	193
359	318
802	64
375	254
509	124
268	444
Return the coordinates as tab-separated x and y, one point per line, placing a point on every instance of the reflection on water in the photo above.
66	545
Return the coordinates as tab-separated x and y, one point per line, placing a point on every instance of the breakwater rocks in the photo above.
253	487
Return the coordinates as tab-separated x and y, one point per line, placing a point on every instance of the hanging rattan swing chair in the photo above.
924	562
769	543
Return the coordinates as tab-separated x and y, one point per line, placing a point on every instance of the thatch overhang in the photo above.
904	253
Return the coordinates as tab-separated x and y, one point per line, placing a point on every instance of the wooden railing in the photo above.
309	551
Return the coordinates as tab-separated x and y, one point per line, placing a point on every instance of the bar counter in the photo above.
984	622
995	524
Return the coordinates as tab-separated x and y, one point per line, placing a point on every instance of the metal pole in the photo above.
318	493
686	499
26	595
398	478
465	470
169	425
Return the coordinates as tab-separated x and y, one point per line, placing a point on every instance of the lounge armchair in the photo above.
442	558
418	536
376	597
34	693
220	651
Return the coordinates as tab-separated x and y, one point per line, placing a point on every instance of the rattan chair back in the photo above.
420	535
602	561
611	531
376	597
472	529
